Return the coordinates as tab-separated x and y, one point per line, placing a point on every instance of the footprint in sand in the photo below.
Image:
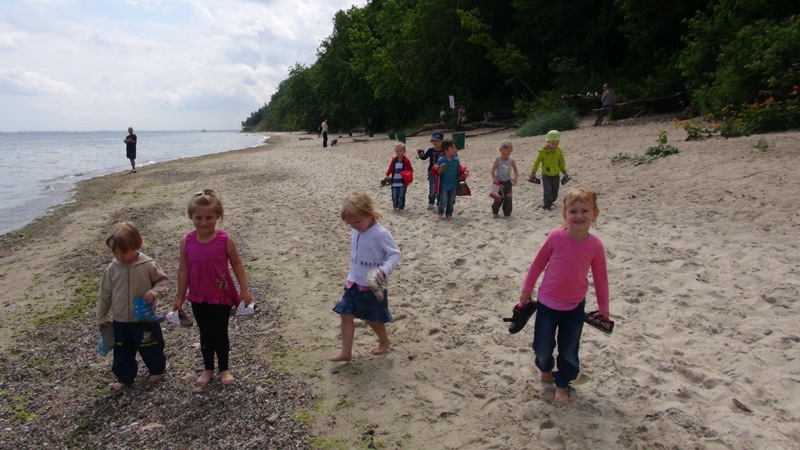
550	435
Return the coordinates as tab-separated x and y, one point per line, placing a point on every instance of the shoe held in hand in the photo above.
377	283
598	321
565	180
248	310
520	316
534	180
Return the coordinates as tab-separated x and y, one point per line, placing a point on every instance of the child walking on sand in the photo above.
130	278
551	158
449	169
203	272
401	171
566	257
432	155
501	174
373	257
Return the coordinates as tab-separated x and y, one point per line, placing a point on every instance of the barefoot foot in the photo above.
381	349
547	377
118	386
561	397
155	378
204	378
225	377
342	357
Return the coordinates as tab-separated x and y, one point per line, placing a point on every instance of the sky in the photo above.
90	65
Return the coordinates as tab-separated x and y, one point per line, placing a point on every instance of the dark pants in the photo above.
399	197
568	325
144	338
550	190
212	320
505	202
432	189
324	142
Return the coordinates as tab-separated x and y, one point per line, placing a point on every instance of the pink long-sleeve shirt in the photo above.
566	263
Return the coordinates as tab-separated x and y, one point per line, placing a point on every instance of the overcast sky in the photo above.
85	65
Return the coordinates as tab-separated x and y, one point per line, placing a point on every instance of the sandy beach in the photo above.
702	251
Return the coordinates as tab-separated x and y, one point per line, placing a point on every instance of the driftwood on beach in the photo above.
631	108
469	126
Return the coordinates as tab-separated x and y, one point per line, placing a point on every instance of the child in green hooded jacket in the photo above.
551	158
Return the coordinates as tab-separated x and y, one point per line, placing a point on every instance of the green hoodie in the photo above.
552	162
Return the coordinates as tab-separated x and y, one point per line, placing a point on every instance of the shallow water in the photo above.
38	170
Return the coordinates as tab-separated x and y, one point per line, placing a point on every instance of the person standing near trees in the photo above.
462	115
324	128
130	148
607	101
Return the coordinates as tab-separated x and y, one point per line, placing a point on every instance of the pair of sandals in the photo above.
523	312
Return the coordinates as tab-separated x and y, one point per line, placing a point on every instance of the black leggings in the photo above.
213	323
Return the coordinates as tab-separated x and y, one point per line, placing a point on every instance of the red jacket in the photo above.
406	167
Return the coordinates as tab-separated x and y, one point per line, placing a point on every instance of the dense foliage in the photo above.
393	63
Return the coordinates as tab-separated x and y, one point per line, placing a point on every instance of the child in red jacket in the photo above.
401	173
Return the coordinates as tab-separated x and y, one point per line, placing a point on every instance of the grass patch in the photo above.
322	443
764	145
84	296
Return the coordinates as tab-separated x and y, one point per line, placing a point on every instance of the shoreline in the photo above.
701	262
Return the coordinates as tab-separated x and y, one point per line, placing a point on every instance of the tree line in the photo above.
393	63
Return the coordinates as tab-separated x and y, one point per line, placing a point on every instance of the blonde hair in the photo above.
400	145
581	195
124	236
506	144
206	197
359	205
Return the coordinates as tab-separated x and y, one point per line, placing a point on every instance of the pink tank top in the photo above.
207	268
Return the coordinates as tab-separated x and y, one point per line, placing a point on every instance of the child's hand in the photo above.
149	297
442	168
604	315
525	297
178	305
246	298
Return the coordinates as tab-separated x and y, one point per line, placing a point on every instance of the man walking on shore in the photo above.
130	148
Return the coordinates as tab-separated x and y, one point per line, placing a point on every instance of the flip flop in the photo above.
520	316
606	326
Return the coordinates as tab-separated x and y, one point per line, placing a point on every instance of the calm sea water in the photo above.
38	170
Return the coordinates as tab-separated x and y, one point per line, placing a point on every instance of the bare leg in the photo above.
348	332
204	378
133	165
547	377
383	337
226	377
561	397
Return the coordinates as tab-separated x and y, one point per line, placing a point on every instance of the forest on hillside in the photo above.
392	64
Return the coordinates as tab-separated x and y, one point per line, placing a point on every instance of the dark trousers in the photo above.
324	142
144	338
562	328
212	320
505	203
550	189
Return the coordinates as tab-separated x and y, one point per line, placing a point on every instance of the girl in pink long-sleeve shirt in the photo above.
567	255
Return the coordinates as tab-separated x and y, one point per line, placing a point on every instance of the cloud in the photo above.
95	65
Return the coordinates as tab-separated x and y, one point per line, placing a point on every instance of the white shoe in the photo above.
248	310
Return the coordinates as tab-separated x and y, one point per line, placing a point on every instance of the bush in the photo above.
559	119
697	129
662	150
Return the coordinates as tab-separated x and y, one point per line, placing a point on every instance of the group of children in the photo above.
204	278
445	173
206	256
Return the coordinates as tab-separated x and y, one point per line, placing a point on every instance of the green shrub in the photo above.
697	129
560	119
662	150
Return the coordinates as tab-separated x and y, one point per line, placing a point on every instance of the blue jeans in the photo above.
399	197
568	325
447	198
432	189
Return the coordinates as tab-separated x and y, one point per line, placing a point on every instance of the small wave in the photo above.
49	188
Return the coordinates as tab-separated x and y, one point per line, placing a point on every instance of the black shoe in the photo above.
520	316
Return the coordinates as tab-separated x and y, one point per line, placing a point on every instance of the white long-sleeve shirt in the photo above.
372	249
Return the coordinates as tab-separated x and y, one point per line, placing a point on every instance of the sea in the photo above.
39	170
